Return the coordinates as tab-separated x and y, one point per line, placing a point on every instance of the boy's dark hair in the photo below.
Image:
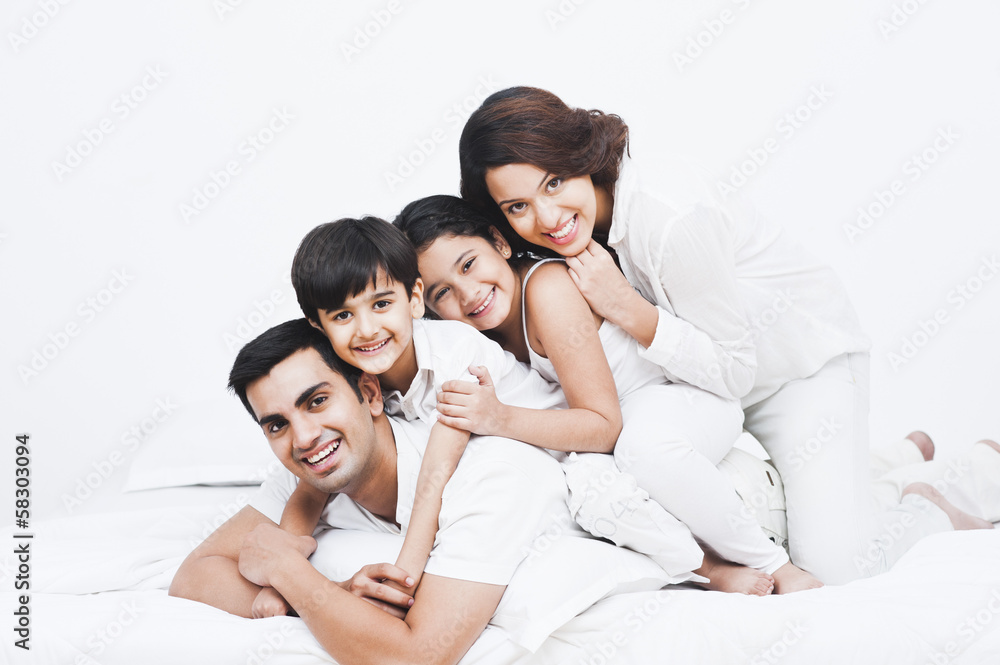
338	260
262	354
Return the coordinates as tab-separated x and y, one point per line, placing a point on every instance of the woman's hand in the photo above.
472	407
269	603
601	282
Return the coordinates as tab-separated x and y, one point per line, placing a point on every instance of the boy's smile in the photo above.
373	330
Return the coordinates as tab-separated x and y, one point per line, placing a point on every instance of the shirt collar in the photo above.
425	368
619	214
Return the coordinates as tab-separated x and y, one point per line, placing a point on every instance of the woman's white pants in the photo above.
816	433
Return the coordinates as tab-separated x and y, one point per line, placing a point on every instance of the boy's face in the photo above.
373	330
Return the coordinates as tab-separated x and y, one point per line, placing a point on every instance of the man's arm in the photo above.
446	618
210	574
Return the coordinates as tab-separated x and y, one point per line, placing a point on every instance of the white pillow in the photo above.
561	577
342	552
208	442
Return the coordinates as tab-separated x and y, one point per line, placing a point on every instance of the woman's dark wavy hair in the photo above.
525	125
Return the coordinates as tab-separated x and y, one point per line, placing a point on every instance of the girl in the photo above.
714	296
535	311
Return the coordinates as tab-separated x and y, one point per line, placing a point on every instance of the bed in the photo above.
99	578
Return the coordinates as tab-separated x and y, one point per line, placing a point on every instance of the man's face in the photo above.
315	423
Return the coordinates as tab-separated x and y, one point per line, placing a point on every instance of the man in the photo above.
502	495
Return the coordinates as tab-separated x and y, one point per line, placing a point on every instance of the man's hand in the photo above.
269	603
369	584
601	282
266	547
471	407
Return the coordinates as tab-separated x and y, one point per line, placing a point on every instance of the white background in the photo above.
361	104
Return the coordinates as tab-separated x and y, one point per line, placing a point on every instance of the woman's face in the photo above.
544	209
468	279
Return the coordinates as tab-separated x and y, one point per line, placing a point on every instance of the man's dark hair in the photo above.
338	260
261	355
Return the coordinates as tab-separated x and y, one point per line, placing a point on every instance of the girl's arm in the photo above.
562	324
444	449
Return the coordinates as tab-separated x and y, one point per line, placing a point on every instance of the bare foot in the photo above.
734	578
790	578
961	521
992	444
924	443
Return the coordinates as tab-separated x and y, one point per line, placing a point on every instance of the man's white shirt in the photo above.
502	495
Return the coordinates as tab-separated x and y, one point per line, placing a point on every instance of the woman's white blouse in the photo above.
742	309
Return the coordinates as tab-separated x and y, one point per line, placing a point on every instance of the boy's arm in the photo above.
302	512
444	449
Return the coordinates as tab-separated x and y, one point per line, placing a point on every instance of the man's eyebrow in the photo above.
268	419
308	392
461	257
544	178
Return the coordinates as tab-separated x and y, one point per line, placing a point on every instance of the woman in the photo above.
715	297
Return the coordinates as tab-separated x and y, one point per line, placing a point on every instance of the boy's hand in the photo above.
369	584
471	407
269	603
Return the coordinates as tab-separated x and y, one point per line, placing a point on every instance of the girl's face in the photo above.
544	209
468	279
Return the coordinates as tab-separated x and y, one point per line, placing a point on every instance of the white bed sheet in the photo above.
99	596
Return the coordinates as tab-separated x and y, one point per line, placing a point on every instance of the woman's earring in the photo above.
506	252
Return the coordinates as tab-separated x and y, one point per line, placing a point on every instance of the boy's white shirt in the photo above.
445	350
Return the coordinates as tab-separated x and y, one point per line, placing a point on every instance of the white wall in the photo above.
351	117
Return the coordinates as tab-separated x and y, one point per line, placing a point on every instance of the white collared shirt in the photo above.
742	309
502	495
445	350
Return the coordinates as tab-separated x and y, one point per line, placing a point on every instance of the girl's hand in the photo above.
601	282
269	603
471	407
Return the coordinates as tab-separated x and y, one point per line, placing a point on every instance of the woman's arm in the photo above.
705	338
562	325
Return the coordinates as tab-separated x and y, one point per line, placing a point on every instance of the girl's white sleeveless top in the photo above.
622	350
